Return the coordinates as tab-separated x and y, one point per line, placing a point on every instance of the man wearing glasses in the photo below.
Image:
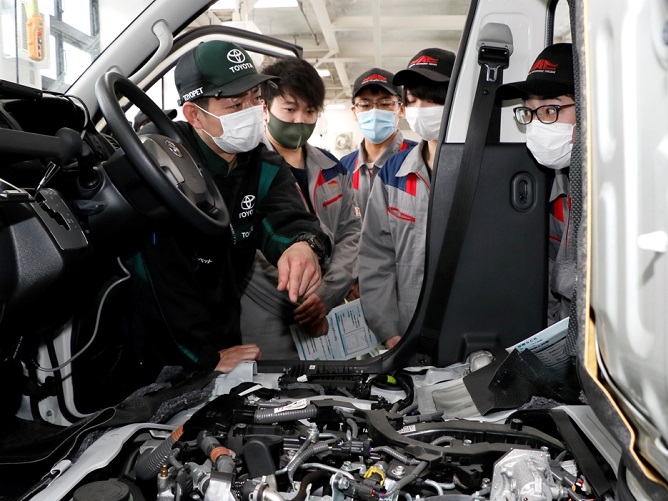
187	286
549	116
377	108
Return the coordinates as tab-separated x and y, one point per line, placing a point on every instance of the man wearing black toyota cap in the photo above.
377	107
188	307
394	231
548	112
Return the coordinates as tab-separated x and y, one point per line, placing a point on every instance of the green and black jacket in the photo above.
186	285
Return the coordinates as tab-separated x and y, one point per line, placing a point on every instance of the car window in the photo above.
562	23
58	39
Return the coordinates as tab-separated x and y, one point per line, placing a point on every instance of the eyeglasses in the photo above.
383	104
546	114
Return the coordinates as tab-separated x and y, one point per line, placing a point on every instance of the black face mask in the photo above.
288	134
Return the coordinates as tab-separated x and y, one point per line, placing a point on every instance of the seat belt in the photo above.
495	45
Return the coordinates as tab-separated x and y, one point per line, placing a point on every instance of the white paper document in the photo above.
548	345
348	336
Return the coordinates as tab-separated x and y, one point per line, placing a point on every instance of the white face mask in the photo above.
242	130
550	144
425	122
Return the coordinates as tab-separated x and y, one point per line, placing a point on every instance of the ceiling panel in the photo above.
347	37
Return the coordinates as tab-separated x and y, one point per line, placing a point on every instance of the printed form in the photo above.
348	336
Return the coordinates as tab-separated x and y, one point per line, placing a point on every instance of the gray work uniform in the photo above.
266	313
561	250
392	251
363	176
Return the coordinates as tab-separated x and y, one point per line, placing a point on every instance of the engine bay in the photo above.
363	441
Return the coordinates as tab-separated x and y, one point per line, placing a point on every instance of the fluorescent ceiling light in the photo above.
324	73
275	4
336	106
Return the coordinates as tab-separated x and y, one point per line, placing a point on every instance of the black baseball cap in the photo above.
433	64
216	68
376	76
550	75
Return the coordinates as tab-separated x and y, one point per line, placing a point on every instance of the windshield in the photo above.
48	44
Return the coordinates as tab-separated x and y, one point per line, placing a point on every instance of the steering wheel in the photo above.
161	160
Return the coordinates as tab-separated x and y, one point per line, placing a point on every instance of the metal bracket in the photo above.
495	45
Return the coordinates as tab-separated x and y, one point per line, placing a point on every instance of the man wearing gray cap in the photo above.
186	307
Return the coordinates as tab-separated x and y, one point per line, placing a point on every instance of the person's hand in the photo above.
299	271
391	343
354	292
311	310
230	357
318	328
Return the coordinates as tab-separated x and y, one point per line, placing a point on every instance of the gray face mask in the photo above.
550	144
242	131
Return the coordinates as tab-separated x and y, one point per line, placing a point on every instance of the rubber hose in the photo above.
148	465
410	477
395	454
354	429
266	416
311	450
317	479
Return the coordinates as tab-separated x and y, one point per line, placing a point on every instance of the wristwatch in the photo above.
321	250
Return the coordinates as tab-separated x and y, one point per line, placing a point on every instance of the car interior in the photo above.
450	413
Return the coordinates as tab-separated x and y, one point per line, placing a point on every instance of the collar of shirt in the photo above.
389	150
414	163
561	185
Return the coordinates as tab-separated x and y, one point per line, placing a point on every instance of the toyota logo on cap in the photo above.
247	202
236	56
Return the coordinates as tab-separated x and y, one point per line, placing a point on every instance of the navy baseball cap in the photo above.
376	76
551	75
433	64
216	69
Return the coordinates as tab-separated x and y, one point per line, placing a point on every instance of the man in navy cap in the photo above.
185	310
548	112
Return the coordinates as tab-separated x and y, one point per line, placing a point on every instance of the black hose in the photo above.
266	416
440	440
148	464
395	454
354	429
410	477
315	479
301	457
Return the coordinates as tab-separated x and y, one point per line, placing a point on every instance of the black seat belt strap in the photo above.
493	59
